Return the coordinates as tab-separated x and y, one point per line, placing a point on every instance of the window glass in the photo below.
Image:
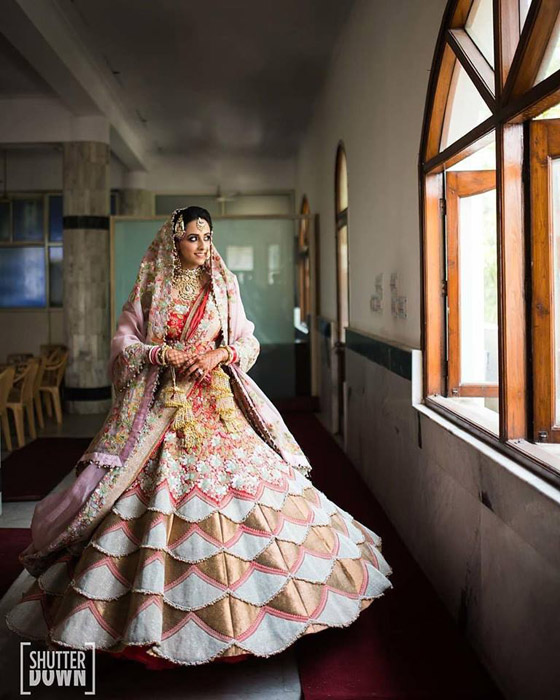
524	6
465	108
55	276
22	277
27	219
483	159
480	28
551	59
55	217
5	220
342	187
478	288
556	277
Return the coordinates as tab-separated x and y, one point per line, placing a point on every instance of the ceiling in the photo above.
17	77
204	77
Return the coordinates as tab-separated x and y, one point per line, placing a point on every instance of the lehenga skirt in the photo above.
222	552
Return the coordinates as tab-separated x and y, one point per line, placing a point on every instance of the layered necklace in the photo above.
188	283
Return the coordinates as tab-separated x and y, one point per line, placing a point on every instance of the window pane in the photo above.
465	108
343	277
556	264
22	277
483	159
524	6
551	60
28	219
479	26
55	276
55	217
342	182
5	220
478	289
550	113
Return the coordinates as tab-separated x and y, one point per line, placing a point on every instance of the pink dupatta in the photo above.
64	521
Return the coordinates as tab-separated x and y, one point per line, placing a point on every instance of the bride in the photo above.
192	532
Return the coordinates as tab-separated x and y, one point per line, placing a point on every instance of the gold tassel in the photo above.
184	422
225	403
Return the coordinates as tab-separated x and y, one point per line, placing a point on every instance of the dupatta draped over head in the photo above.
63	521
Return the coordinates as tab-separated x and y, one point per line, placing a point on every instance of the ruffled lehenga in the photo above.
220	552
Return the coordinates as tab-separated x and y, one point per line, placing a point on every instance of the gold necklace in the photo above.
187	283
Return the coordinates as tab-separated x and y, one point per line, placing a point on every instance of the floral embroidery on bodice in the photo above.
176	321
223	460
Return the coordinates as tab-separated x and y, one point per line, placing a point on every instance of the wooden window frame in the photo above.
513	99
461	184
544	146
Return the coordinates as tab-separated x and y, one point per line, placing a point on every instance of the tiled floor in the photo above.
275	678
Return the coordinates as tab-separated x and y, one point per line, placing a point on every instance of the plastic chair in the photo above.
50	386
53	351
21	398
6	383
18	358
42	363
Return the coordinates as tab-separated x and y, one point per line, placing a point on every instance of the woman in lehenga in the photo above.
192	532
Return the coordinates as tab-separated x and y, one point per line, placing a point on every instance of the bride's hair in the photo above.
190	214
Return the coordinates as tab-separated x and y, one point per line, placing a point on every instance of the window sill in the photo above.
479	416
540	459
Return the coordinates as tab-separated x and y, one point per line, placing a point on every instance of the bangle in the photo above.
159	355
152	354
227	361
163	354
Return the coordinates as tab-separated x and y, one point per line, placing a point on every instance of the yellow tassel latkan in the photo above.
225	403
184	422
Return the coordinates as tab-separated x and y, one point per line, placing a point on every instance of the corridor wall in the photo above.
483	528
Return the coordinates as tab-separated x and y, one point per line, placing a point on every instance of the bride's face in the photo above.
193	247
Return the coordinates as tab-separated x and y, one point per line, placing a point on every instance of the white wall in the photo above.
483	528
373	101
25	331
39	168
198	175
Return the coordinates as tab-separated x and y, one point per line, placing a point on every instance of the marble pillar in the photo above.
136	202
86	306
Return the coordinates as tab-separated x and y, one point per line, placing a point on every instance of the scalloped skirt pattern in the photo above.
192	579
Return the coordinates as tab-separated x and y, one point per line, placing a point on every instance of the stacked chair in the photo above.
53	375
28	383
20	399
6	384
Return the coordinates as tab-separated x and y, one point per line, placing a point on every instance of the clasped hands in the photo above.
197	365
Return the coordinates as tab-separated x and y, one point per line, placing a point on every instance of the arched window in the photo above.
341	210
342	282
303	264
490	182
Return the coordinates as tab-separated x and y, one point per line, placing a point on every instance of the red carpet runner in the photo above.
12	541
405	645
32	472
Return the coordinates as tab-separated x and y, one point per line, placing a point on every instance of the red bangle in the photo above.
152	354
